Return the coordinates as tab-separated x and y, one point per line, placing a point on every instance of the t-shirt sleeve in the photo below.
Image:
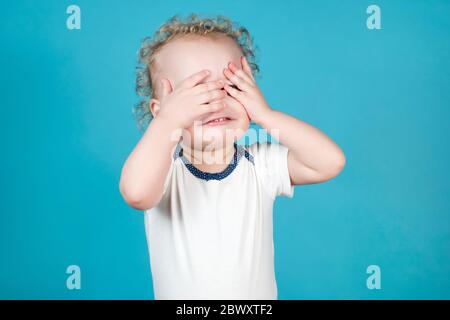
271	164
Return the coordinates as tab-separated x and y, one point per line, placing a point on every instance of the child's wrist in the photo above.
168	128
264	117
167	122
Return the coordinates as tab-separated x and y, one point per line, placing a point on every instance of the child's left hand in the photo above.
247	91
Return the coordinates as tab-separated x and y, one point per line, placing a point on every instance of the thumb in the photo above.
166	87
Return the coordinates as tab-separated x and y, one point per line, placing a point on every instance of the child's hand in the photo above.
247	91
190	101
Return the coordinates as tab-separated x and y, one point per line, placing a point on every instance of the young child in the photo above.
208	201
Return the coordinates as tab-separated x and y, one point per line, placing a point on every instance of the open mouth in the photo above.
217	121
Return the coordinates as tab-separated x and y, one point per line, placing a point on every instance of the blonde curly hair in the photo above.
175	28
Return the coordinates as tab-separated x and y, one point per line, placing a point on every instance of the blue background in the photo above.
383	95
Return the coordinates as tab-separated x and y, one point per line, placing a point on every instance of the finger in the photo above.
213	107
235	93
246	67
235	79
166	87
194	79
204	87
218	99
239	72
209	107
210	96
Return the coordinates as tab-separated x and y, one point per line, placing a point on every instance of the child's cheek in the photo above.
188	134
237	108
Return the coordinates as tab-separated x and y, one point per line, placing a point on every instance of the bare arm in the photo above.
313	157
145	170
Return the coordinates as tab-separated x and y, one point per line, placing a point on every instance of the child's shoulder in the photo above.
271	163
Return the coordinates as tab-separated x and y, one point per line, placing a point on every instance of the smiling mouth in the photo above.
217	121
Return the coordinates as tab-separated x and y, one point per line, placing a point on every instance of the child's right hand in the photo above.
191	100
142	186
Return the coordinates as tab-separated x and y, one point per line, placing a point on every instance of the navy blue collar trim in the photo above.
238	153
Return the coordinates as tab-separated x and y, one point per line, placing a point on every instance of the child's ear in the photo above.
154	106
165	89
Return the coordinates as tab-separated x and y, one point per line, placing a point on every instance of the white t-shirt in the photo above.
211	235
